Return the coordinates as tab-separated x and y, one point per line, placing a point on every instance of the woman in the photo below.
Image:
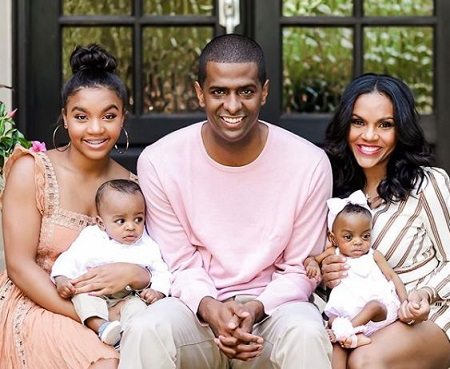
47	201
375	144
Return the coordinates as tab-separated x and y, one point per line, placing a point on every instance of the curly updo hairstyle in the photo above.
93	66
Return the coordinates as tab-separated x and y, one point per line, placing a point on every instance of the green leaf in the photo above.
25	143
10	136
7	140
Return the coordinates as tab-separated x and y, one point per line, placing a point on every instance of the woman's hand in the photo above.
109	279
415	309
333	270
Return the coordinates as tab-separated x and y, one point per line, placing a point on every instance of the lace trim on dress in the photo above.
51	203
25	305
4	290
22	309
54	215
60	216
72	220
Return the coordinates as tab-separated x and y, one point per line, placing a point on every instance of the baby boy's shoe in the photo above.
109	332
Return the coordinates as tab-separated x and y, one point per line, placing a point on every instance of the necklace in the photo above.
368	198
372	201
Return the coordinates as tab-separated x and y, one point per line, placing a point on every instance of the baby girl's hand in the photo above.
313	271
415	309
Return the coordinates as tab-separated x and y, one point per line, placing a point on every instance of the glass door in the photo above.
316	47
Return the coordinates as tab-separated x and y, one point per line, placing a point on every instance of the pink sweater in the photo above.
237	230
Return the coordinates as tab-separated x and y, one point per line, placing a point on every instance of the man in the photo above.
236	205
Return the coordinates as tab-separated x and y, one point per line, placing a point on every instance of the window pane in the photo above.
398	7
117	40
324	7
170	67
178	7
97	7
404	52
317	65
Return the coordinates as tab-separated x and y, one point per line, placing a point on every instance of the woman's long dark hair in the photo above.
411	152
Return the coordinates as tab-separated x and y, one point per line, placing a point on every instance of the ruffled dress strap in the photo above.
40	167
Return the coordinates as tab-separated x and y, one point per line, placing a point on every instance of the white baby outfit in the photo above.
365	282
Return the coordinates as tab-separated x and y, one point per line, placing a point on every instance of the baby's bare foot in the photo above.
362	340
355	341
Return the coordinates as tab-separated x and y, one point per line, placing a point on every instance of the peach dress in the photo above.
31	336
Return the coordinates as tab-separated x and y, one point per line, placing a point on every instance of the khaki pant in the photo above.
87	306
167	335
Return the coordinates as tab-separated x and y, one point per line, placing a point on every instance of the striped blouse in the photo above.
414	236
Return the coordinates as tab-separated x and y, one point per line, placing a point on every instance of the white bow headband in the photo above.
336	205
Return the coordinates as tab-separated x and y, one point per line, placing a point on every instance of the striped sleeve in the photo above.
436	202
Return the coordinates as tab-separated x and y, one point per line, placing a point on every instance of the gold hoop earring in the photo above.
54	140
127	143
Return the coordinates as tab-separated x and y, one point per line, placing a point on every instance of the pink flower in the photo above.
11	113
38	146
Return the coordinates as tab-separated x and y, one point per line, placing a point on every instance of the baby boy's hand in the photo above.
64	287
150	295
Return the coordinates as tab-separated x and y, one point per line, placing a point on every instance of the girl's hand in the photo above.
333	270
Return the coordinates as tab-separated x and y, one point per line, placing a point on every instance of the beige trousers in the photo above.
87	306
167	335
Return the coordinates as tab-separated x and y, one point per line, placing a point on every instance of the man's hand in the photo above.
246	347
232	324
64	287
